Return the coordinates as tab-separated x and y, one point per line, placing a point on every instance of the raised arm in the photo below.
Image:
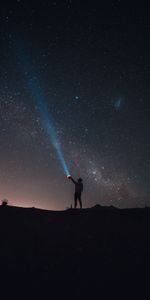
72	180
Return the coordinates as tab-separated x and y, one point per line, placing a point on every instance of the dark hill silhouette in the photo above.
101	244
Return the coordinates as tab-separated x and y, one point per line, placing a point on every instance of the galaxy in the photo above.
74	99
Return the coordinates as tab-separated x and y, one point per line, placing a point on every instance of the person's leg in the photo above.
75	200
80	201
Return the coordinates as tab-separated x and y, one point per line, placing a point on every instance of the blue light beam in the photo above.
47	120
39	100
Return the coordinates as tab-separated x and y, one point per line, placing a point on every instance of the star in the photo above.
77	97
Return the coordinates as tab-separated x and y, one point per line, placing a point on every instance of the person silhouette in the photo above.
78	191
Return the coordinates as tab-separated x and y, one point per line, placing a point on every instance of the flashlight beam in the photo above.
40	103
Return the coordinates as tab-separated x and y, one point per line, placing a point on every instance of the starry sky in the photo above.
89	63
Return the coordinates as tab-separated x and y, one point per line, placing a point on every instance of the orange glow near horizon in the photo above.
28	202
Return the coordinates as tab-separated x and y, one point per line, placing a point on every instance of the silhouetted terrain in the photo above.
101	244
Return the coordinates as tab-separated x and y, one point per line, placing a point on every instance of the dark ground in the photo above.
103	246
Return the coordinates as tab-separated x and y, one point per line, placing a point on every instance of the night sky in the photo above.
86	65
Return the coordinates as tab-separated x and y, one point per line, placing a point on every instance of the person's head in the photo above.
80	180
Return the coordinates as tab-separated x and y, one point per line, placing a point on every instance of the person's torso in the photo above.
78	187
